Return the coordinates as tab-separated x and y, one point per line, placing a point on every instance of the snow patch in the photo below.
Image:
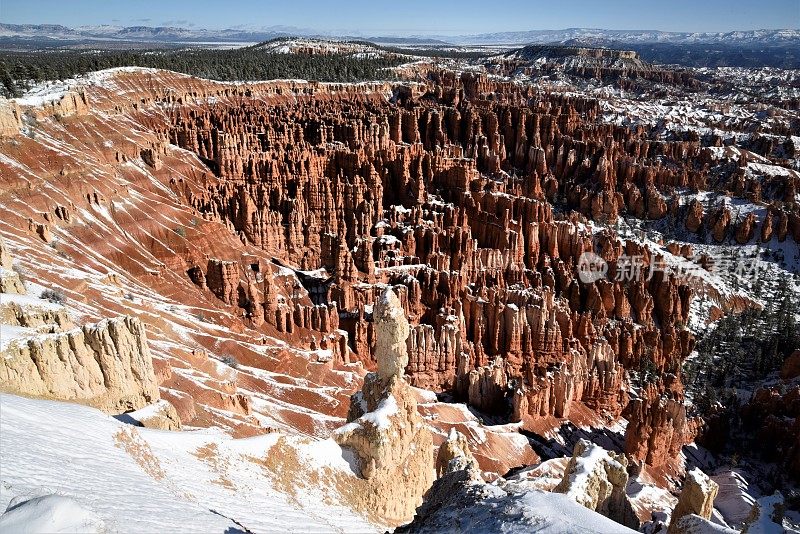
49	514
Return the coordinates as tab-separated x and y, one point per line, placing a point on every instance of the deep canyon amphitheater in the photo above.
292	306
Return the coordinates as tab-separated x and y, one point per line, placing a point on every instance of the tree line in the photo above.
743	349
20	70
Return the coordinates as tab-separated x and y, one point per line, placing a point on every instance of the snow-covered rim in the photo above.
54	90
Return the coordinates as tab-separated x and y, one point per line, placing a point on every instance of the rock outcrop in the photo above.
5	257
72	102
597	479
106	365
694	217
10	118
658	425
391	333
389	438
9	279
696	497
772	417
162	416
454	455
791	366
460	501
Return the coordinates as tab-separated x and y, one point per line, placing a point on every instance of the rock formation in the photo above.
791	367
772	416
449	198
106	365
162	415
391	333
694	218
498	315
697	497
658	426
10	118
5	257
276	213
386	433
459	500
454	455
9	279
597	479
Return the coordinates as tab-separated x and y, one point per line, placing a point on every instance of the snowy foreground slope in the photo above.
143	480
69	468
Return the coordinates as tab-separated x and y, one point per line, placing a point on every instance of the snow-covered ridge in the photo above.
775	37
320	46
51	92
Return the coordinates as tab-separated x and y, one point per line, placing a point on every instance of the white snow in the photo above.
11	334
388	240
764	523
694	524
734	500
770	170
380	416
49	514
29	301
511	508
143	480
560	515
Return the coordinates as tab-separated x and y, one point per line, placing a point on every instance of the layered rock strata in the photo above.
9	280
107	365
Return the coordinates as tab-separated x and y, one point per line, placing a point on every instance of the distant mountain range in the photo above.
785	37
159	34
597	37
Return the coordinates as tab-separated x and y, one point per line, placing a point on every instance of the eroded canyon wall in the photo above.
472	198
456	199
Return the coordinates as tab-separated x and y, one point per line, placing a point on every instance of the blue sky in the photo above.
414	16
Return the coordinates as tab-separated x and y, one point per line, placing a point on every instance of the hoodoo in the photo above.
390	439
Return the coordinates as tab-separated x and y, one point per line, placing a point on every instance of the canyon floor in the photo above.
513	293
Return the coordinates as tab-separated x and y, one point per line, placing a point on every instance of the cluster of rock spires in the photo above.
394	454
448	197
394	450
445	193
